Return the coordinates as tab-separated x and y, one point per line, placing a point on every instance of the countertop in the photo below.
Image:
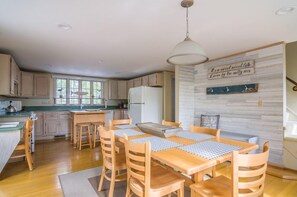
18	127
90	112
14	115
66	108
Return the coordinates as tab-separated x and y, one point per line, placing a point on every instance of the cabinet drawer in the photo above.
51	115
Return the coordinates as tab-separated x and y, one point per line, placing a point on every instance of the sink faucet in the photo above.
81	106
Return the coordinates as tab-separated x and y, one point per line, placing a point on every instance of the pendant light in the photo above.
188	52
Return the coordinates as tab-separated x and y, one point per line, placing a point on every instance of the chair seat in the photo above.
161	180
98	123
83	124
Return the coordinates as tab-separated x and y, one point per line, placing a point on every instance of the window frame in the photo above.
68	93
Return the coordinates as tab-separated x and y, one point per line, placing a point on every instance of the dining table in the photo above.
182	156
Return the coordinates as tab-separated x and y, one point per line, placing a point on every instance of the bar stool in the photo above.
96	131
81	126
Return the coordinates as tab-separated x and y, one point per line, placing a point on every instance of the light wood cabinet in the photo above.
119	114
137	82
117	89
122	89
27	81
113	89
9	76
145	80
130	84
156	79
42	85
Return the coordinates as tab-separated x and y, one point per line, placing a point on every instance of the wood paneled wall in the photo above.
259	114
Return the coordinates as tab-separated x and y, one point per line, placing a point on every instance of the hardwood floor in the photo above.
59	157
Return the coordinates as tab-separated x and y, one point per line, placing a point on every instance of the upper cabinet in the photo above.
42	85
117	89
35	85
156	79
145	80
130	84
27	84
137	82
9	76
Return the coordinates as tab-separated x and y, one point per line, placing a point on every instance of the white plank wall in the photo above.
185	94
240	112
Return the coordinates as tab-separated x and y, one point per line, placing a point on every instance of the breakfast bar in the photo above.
86	116
10	135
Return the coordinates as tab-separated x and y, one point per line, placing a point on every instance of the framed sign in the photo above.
232	70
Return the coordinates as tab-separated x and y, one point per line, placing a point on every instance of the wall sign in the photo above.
232	70
236	89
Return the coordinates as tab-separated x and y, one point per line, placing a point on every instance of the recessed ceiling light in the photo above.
64	26
285	10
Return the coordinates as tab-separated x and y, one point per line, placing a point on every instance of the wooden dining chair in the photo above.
248	177
205	130
120	122
23	150
208	131
112	161
172	124
145	179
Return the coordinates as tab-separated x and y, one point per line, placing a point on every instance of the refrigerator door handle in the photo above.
138	103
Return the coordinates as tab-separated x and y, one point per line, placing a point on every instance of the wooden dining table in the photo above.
186	163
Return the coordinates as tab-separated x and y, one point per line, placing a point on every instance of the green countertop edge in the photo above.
19	127
66	108
15	115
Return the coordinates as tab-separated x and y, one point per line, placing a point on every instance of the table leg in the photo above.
74	131
198	177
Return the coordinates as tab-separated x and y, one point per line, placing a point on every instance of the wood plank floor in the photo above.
58	157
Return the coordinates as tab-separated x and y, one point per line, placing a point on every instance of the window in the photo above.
76	92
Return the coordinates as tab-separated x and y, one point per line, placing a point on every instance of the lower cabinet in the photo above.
120	114
51	124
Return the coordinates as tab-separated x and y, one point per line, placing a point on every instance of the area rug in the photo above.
85	183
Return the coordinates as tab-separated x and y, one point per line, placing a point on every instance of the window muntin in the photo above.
61	91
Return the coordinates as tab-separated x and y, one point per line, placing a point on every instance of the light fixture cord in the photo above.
187	20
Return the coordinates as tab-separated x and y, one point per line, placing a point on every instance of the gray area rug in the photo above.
85	183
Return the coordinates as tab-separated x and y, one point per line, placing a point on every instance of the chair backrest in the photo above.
210	121
205	130
28	133
138	161
108	148
120	122
249	173
172	124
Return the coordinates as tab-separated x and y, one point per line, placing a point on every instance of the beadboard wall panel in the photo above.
242	113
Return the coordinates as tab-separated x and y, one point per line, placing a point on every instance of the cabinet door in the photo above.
122	89
51	127
109	116
27	81
156	79
63	127
13	71
130	84
116	114
39	124
41	85
125	114
113	89
137	82
145	80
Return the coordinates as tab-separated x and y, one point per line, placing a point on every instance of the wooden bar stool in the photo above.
80	143
95	135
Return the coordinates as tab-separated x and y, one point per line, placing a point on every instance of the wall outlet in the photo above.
260	103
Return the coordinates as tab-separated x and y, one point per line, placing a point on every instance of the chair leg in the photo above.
128	191
102	178
29	159
112	183
94	136
80	137
89	136
213	171
180	192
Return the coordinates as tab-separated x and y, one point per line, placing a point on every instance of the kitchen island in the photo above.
10	135
86	117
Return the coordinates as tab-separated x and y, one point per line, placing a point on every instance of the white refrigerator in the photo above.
145	104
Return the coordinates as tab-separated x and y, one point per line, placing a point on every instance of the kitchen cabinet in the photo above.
122	89
109	116
156	79
117	89
9	76
130	84
51	124
42	85
27	81
119	114
145	80
137	82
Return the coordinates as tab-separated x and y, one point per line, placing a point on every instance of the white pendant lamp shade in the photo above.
187	52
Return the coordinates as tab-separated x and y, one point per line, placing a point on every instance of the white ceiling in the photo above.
133	37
